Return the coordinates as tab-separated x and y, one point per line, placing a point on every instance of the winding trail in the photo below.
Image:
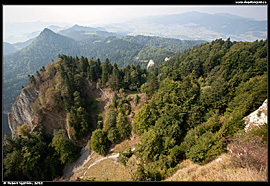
112	156
74	167
78	167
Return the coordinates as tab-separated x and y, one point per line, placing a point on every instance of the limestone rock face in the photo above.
21	111
256	118
150	63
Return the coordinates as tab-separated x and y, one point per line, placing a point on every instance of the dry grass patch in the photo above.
107	170
223	170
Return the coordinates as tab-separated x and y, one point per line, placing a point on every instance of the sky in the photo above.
104	14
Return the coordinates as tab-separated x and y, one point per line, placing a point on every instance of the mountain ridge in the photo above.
208	26
49	44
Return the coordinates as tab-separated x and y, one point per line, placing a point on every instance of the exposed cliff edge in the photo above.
256	118
28	110
21	110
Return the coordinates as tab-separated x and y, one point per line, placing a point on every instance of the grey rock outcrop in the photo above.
21	110
256	118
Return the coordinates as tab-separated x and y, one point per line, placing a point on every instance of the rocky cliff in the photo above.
21	110
28	109
256	118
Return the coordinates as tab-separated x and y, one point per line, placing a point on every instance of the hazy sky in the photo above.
101	14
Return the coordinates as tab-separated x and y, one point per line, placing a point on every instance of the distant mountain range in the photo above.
196	25
189	25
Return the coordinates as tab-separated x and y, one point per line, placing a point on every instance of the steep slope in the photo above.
41	51
197	102
220	169
21	45
257	118
46	46
8	48
224	167
21	111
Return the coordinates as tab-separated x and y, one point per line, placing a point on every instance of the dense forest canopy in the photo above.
202	97
195	102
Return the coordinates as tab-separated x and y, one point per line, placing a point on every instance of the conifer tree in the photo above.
105	71
115	78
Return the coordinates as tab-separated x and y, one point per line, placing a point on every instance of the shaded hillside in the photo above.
48	45
41	51
8	48
82	32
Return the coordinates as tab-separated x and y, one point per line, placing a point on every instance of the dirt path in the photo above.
74	167
78	167
112	156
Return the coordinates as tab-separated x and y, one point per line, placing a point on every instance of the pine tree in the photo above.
92	72
83	64
122	126
99	142
127	77
105	72
115	78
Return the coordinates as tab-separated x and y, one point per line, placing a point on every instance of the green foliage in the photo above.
124	156
178	153
30	158
142	120
67	150
151	85
151	145
115	122
136	100
79	119
261	131
122	126
99	142
106	66
248	97
32	80
140	174
23	130
202	97
114	82
198	151
196	101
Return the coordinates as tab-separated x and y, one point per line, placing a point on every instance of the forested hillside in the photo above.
99	44
193	105
202	97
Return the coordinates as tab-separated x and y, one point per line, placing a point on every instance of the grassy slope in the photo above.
223	170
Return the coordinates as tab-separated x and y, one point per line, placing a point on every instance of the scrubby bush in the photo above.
249	151
99	142
178	153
